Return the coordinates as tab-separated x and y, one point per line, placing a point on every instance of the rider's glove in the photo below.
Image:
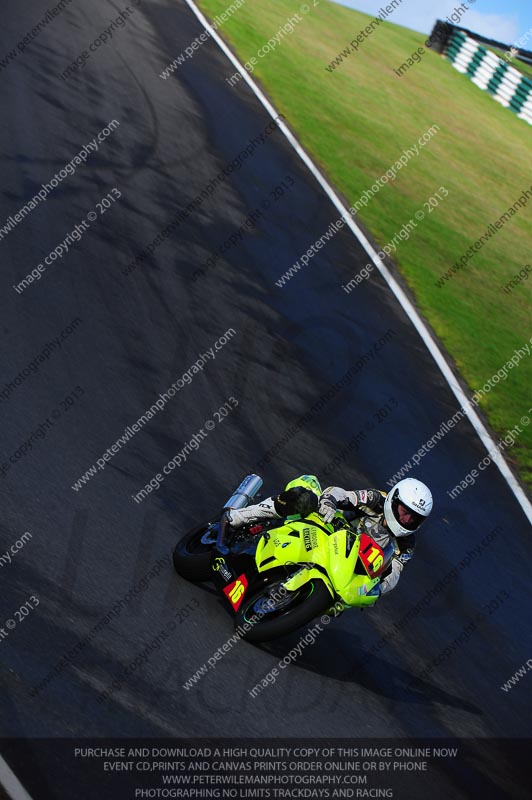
327	507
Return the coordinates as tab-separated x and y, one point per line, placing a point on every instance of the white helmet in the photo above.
415	497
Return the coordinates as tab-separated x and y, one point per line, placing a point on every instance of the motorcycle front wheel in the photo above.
274	611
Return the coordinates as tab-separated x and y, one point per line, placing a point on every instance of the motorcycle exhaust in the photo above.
245	492
239	499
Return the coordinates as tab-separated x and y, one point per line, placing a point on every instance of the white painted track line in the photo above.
11	784
400	295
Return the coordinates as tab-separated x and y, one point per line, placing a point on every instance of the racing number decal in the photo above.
371	555
235	591
235	595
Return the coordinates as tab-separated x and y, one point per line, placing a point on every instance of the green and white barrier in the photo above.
490	73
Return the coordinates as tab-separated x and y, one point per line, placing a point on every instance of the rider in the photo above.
393	516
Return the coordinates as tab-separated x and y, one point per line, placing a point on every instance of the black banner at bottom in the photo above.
298	769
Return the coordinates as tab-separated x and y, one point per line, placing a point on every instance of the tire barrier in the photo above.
489	72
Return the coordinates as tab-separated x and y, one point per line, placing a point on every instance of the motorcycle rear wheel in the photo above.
192	557
276	620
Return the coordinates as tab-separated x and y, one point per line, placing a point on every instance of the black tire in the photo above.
308	602
192	559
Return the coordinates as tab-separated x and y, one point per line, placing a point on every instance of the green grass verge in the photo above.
356	121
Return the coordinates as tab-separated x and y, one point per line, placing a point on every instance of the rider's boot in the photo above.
241	516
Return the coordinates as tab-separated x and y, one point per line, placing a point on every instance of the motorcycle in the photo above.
278	575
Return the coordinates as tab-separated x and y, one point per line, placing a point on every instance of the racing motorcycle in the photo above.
278	575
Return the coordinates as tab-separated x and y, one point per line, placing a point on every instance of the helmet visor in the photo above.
406	517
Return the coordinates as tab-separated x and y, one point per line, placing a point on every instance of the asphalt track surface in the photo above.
139	333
